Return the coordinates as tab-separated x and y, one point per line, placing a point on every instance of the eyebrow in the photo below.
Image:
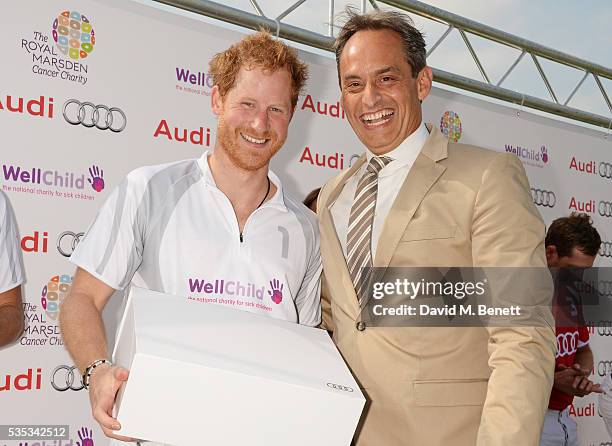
378	72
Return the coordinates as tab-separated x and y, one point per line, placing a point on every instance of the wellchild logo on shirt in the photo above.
235	292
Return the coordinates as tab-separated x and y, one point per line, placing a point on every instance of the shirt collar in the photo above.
277	200
409	148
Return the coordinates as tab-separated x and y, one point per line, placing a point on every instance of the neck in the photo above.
244	188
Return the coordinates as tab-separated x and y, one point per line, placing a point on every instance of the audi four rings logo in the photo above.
542	197
339	387
567	343
605	250
66	377
90	115
604	368
605	208
67	241
605	170
604	328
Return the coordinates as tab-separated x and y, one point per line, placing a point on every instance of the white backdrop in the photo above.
151	65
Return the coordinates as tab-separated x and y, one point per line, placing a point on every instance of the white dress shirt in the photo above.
390	180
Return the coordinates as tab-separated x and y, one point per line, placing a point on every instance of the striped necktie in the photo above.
359	237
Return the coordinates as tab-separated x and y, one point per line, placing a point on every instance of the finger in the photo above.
577	381
105	420
597	388
110	434
121	374
561	367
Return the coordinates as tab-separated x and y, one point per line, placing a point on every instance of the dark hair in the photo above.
311	197
575	231
412	38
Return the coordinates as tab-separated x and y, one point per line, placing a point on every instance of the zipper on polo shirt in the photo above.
241	238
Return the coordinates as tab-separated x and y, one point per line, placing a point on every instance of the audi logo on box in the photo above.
339	387
543	197
605	208
91	115
67	242
605	250
65	377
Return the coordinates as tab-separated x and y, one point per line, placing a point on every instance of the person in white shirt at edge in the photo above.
217	229
11	276
605	402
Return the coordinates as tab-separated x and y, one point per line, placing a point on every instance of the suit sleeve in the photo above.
507	231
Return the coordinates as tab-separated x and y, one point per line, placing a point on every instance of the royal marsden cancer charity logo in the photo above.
61	55
73	34
53	293
450	125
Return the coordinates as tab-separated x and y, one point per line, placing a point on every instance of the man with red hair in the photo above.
182	228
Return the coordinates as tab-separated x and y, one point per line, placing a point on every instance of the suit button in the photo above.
361	326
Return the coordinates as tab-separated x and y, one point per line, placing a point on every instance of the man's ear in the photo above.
216	100
424	82
552	256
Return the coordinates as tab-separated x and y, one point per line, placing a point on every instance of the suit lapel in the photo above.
422	176
336	257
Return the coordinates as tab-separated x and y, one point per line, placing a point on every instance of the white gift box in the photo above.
206	374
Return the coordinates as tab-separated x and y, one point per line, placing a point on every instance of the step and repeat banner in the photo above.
93	89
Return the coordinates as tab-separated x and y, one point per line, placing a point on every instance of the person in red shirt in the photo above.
571	242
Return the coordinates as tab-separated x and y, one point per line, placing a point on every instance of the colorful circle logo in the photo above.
73	35
53	293
450	125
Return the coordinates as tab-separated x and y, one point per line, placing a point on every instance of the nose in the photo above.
371	95
260	122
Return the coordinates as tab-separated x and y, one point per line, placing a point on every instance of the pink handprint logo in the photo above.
276	292
97	178
544	154
86	437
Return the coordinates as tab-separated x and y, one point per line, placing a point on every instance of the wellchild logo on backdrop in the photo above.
529	156
61	55
61	184
194	82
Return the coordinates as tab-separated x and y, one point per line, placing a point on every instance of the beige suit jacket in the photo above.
459	206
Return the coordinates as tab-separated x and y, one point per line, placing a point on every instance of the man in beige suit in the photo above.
414	199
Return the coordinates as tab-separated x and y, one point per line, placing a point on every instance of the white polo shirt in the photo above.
11	264
169	228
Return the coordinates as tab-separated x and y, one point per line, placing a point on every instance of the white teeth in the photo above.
378	115
253	140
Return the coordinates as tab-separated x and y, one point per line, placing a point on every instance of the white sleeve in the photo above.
112	247
605	403
11	262
308	299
